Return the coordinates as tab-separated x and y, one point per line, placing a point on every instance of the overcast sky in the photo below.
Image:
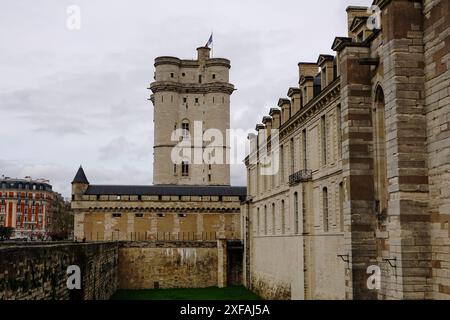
71	97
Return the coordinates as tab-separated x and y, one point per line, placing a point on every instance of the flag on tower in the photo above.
210	41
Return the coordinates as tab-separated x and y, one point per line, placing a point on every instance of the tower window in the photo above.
183	74
171	74
209	177
185	100
196	100
185	169
185	129
214	76
174	169
200	79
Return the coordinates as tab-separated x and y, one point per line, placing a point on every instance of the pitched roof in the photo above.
80	177
166	190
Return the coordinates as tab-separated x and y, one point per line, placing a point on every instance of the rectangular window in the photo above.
184	100
323	77
200	79
184	169
283	222
360	37
341	206
273	219
282	164
258	221
214	76
185	129
325	210
292	156
324	139
305	148
296	212
196	100
265	220
171	75
339	129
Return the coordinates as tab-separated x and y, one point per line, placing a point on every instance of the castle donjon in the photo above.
190	200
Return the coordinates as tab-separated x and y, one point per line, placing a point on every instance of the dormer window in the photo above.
360	37
324	77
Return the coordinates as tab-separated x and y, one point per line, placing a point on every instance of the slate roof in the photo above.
80	177
166	190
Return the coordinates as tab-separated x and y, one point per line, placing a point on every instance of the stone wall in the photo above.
39	271
437	105
148	265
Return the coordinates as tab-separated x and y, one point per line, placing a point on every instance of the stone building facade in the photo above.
189	200
364	158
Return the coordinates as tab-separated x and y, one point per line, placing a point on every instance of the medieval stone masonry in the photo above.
364	160
188	201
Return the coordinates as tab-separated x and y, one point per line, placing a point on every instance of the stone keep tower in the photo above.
186	94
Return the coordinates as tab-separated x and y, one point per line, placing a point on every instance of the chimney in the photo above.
285	106
267	121
275	113
294	94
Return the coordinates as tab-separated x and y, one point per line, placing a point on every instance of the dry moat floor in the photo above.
231	293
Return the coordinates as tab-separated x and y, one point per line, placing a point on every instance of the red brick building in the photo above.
27	205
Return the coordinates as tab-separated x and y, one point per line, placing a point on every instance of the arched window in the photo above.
341	206
296	227
258	230
325	209
380	161
273	219
265	220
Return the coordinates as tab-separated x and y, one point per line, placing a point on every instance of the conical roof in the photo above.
80	177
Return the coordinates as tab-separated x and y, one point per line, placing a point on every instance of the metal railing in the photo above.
300	176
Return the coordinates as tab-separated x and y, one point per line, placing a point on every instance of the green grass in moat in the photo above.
213	293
